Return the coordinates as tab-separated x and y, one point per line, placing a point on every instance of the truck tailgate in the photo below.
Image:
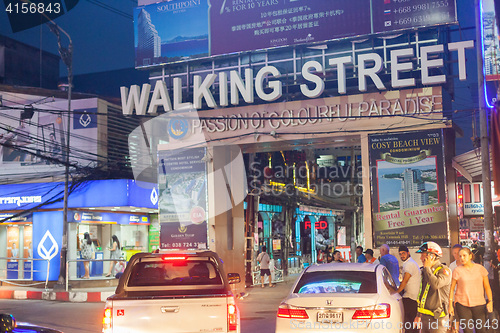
175	315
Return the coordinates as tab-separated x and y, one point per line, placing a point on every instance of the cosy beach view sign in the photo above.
408	196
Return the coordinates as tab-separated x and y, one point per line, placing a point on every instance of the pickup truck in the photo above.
173	293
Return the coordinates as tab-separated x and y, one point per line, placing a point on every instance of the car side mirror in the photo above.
233	278
7	322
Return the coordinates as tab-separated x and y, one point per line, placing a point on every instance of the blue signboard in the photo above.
97	193
108	218
85	118
47	238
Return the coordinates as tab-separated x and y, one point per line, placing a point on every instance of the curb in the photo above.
59	296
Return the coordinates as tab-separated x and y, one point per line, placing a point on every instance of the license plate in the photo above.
330	317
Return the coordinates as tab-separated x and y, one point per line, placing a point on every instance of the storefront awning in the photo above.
469	165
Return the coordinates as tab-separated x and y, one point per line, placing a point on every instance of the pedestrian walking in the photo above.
472	282
114	253
390	262
86	253
410	286
264	259
434	291
454	251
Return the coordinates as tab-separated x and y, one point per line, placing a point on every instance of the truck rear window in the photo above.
185	273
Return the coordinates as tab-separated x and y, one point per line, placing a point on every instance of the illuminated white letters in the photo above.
320	84
396	67
237	85
341	62
200	89
372	72
132	101
460	47
426	64
231	85
276	86
160	98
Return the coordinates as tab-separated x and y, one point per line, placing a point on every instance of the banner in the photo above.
409	202
183	199
179	30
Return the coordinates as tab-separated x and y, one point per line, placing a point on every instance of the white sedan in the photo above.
342	297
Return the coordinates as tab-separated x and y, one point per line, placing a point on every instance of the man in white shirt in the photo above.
264	259
454	251
411	286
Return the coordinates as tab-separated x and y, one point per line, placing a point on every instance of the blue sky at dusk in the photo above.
102	33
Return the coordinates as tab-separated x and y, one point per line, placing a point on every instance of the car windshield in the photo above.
184	273
350	282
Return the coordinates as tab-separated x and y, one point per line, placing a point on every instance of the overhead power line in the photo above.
111	9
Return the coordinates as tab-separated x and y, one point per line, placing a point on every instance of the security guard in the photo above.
434	290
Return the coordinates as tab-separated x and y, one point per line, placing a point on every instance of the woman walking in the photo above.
471	280
86	253
114	254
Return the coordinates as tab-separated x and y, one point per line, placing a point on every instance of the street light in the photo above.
67	58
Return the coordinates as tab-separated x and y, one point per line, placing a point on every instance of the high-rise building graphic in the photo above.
413	193
148	40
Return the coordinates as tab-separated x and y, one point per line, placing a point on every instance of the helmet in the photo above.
431	247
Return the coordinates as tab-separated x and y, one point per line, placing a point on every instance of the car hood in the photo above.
28	328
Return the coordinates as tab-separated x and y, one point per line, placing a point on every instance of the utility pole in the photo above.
485	146
67	58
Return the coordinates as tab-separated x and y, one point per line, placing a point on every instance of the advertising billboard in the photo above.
183	199
408	198
491	45
180	30
32	140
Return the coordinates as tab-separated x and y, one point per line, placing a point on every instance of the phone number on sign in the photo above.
21	7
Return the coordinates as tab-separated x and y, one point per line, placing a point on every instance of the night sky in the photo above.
102	32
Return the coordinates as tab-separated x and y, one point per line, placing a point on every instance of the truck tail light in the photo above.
285	312
379	311
232	317
107	320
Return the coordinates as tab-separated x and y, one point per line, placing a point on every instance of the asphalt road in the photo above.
64	316
258	312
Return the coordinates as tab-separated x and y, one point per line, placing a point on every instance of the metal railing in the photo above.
276	276
20	268
76	261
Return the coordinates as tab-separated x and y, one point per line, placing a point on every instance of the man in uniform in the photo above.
434	290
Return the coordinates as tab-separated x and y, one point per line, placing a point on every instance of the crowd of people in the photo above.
436	297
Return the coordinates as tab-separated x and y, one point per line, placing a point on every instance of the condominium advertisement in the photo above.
182	203
408	191
491	45
179	30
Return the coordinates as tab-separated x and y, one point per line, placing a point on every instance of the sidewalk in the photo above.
100	294
77	295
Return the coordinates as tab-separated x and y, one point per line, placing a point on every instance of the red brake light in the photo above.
285	312
379	311
232	317
169	258
107	320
